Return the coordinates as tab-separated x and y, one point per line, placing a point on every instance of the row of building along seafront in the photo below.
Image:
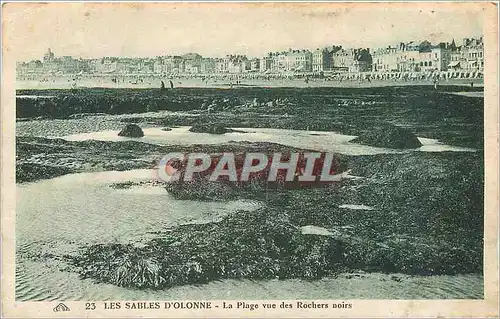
465	59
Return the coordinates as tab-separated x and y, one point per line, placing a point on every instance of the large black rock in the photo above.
131	130
388	136
209	128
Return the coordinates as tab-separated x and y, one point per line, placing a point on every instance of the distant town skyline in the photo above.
216	29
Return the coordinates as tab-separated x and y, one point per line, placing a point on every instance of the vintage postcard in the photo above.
237	159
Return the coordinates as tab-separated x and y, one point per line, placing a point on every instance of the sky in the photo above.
95	30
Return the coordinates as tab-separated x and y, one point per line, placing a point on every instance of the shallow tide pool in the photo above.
321	141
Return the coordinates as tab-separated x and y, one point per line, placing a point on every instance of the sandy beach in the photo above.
67	83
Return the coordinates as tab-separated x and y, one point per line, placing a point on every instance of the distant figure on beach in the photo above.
435	84
171	84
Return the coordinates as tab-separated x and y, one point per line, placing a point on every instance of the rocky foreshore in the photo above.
315	232
419	109
418	213
44	158
299	233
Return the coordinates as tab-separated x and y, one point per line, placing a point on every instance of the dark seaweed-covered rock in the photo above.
257	245
30	172
209	128
131	130
389	136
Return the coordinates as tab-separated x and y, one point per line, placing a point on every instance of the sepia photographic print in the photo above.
237	159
